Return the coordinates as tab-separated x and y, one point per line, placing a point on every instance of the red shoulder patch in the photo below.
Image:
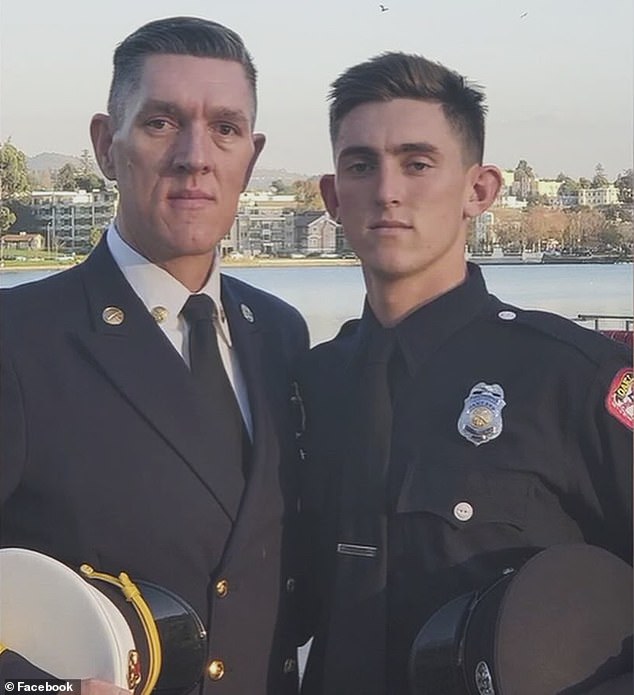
620	398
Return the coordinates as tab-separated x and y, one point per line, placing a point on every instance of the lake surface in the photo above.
329	295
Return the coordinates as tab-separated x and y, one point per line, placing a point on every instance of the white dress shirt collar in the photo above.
163	294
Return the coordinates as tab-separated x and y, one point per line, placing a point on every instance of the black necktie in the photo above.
216	394
358	612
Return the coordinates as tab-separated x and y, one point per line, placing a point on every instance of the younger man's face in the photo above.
401	188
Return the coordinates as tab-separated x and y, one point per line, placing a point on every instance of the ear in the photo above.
329	195
259	140
484	185
101	136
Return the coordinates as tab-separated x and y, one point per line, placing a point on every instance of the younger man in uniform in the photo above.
450	436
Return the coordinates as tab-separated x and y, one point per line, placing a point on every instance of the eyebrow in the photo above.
168	107
403	148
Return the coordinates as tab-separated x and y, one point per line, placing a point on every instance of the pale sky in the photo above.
559	80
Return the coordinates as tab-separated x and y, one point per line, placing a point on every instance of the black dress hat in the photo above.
560	625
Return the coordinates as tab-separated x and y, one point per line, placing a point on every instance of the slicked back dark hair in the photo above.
396	75
191	36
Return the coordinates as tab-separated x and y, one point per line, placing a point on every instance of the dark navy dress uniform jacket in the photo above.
106	458
458	515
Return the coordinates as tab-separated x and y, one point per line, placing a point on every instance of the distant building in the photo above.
569	199
321	235
549	188
524	184
508	176
22	241
483	228
263	225
67	218
510	201
607	195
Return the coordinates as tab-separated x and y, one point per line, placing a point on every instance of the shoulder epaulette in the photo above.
595	346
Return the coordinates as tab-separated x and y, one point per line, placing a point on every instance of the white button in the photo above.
507	315
463	511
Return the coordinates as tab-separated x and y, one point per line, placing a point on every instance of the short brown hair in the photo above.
396	75
192	36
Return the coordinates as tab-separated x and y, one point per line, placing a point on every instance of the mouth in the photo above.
189	199
389	224
190	194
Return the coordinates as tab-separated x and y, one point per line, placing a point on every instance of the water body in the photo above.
329	295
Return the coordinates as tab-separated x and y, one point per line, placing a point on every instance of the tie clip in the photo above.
357	550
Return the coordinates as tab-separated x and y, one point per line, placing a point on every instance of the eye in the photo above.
226	129
359	168
417	166
158	124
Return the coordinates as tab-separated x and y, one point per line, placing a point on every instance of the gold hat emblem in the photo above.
113	316
159	313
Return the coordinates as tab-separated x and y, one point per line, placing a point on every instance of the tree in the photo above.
583	228
95	236
7	218
568	185
89	182
86	163
307	194
86	178
65	178
600	180
540	224
280	188
624	184
14	180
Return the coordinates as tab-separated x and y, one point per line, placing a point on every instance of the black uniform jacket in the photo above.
456	514
106	458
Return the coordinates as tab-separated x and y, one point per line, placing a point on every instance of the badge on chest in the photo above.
481	418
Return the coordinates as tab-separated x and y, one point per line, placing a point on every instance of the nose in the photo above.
193	151
388	185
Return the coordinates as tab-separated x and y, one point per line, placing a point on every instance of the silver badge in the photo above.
247	313
483	679
481	417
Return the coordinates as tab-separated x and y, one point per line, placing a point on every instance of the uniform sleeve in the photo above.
12	430
604	438
13	666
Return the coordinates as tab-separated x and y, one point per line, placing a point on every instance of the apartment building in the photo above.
67	218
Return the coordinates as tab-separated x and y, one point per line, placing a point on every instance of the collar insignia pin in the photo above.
247	313
159	313
481	418
113	316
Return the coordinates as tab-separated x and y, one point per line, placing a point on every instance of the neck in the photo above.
393	299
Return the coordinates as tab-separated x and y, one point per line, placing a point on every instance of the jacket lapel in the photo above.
247	339
139	361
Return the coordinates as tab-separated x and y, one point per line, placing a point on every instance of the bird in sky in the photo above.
384	8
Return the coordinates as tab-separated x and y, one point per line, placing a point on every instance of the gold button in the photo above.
290	665
159	313
290	585
216	670
222	588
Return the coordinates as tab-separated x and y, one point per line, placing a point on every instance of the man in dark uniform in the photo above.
449	435
113	453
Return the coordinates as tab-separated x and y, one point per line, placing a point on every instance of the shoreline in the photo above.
263	263
280	263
